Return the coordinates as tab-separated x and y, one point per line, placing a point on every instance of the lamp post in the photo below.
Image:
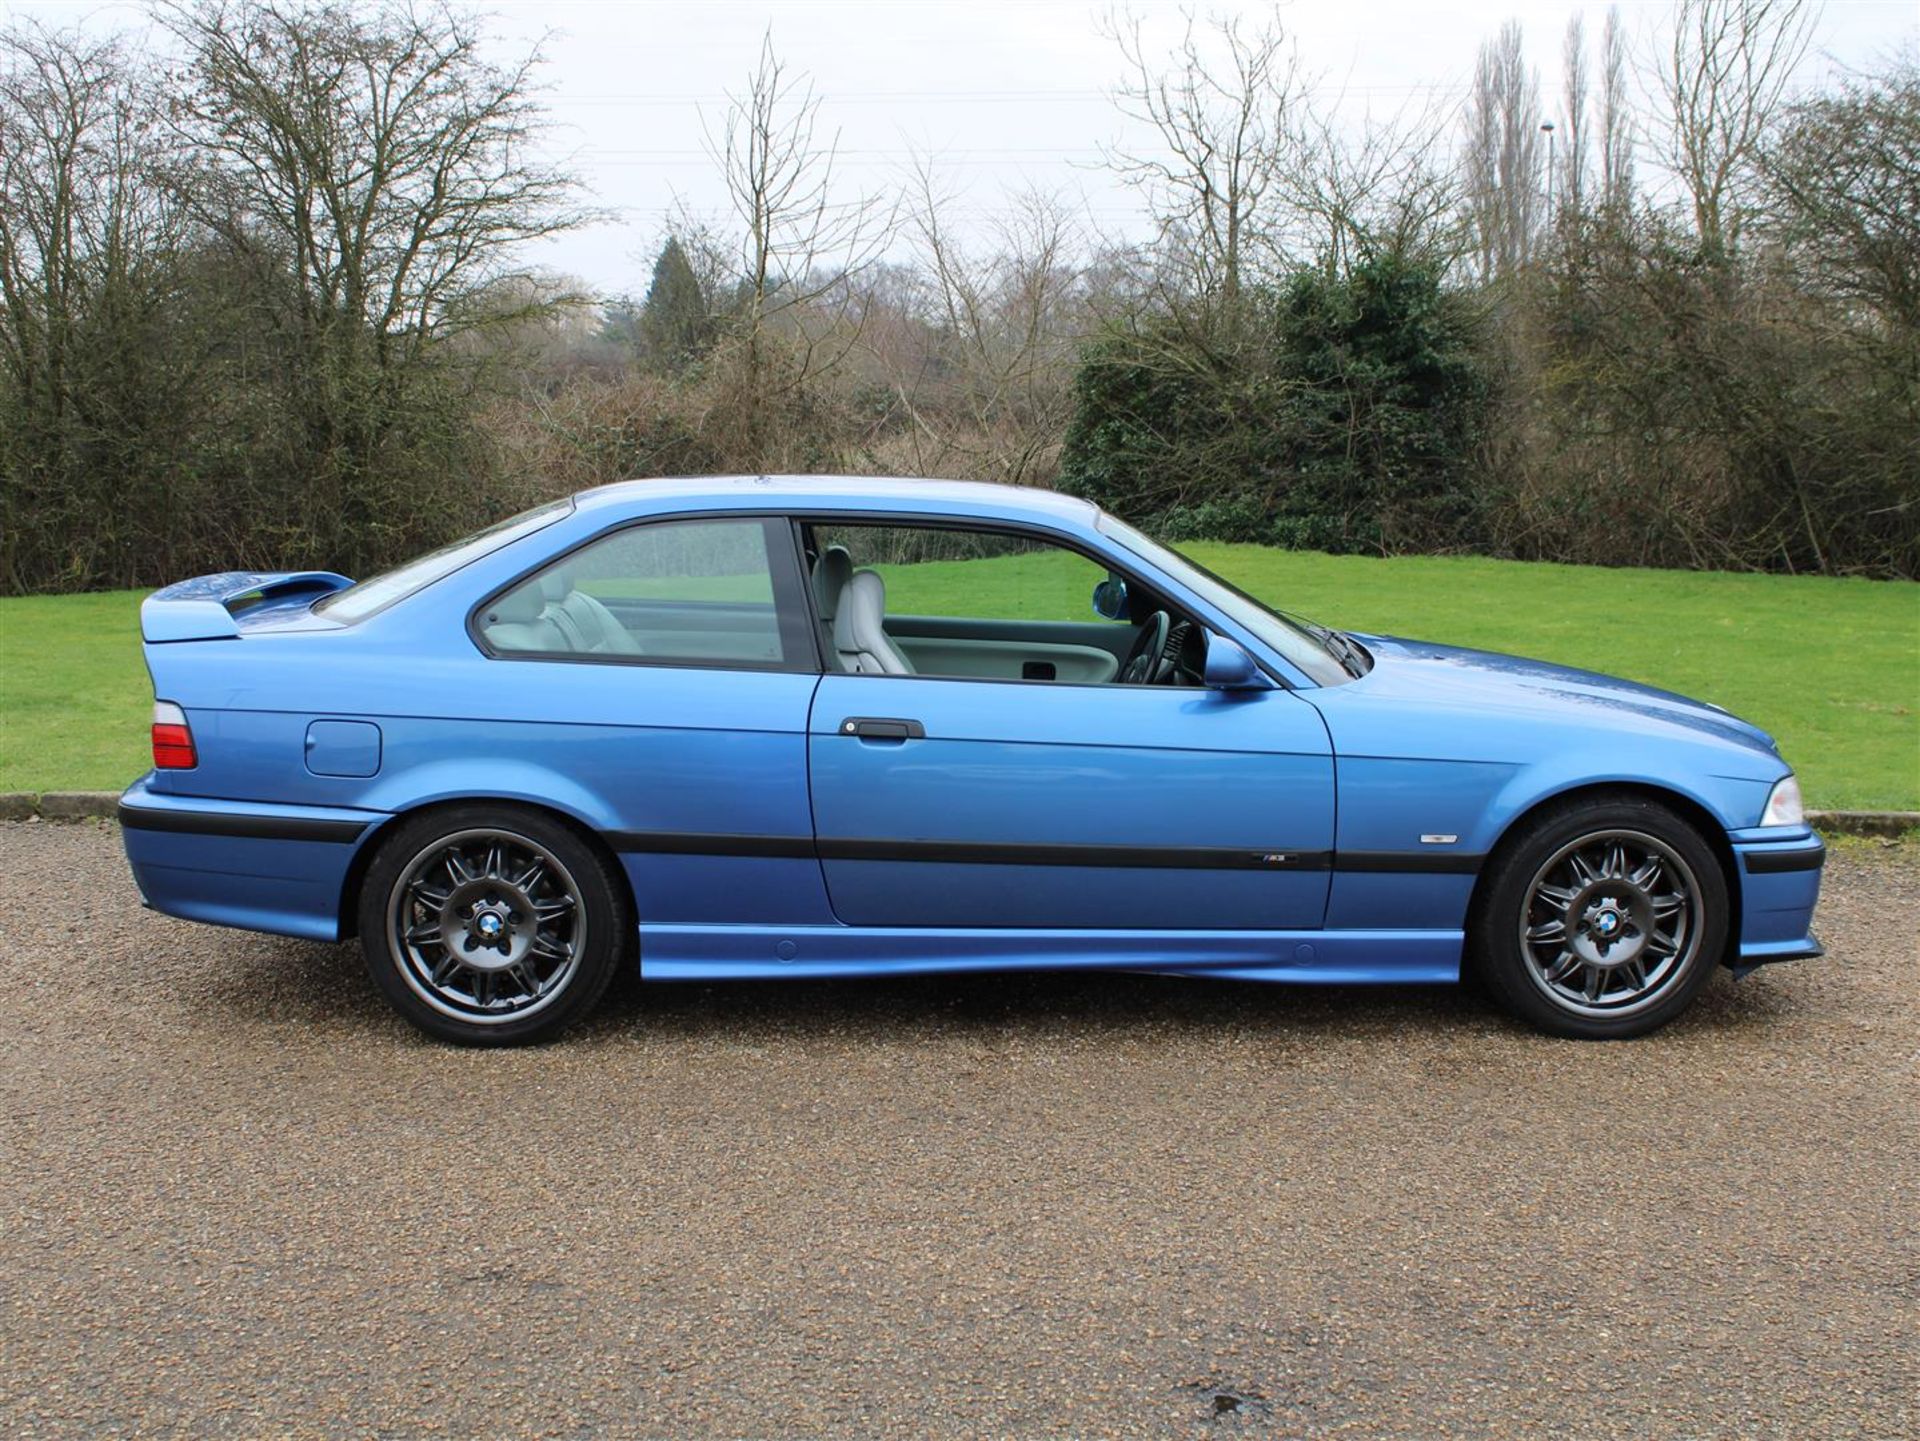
1546	128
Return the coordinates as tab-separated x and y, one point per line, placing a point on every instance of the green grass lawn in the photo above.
1830	667
74	696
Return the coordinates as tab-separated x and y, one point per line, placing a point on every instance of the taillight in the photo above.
172	738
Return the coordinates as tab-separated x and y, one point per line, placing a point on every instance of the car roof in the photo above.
881	494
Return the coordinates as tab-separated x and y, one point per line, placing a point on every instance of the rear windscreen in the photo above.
357	602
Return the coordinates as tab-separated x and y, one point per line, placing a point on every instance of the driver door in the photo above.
990	803
968	800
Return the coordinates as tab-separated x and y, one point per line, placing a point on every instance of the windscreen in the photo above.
1291	640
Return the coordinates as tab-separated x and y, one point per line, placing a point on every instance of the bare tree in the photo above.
367	177
802	242
91	347
1223	109
1005	321
1722	78
371	150
1616	119
1503	167
69	195
1573	156
1843	185
1354	189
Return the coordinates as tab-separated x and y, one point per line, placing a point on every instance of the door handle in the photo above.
882	728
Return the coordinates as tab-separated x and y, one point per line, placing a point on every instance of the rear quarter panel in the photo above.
618	748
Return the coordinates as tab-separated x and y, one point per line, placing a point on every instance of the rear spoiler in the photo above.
204	608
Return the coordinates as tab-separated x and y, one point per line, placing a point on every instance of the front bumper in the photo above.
1780	873
249	864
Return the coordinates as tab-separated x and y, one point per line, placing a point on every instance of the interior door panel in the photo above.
743	631
1008	659
1078	652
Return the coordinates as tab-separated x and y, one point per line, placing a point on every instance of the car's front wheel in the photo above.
491	925
1601	920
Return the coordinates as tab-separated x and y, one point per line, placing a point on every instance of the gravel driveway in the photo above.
237	1196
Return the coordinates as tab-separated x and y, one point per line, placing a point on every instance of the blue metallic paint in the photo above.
207	607
290	887
691	953
1775	906
343	748
1015	762
1432	740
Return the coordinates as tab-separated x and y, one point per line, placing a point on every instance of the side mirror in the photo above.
1110	599
1229	667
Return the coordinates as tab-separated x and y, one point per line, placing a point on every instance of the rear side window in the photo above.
686	592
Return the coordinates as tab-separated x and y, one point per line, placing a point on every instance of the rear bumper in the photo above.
1779	887
248	864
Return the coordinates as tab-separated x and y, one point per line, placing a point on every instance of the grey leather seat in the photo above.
831	572
586	624
860	639
518	622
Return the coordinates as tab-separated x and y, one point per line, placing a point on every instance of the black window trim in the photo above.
797	591
795	618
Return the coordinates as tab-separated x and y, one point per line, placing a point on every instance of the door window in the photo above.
970	574
689	592
985	605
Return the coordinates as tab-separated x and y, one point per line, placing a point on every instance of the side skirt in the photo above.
711	953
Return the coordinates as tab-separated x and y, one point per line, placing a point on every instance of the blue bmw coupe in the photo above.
827	727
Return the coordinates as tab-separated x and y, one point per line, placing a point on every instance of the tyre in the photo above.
490	925
1601	919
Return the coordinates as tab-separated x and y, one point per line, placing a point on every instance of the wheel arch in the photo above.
371	843
1706	825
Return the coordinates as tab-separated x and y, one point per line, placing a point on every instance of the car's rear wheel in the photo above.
491	925
1601	920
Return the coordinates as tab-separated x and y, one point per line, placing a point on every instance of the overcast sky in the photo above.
1003	94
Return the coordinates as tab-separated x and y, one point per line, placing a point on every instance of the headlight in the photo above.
1783	805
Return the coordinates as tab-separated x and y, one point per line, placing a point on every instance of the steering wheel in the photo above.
1146	663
